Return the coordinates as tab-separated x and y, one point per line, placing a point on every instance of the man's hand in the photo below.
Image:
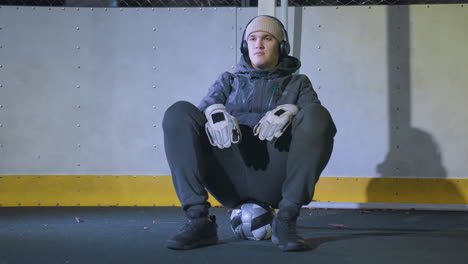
222	128
275	122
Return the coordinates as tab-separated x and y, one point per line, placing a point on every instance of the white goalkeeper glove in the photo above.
222	128
275	122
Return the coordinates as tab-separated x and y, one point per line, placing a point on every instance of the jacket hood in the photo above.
286	66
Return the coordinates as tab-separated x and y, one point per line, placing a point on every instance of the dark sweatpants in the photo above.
286	168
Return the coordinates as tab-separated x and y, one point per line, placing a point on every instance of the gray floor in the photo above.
118	235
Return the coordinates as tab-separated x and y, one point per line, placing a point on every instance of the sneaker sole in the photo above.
289	246
171	244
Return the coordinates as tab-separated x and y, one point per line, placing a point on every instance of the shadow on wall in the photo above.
413	152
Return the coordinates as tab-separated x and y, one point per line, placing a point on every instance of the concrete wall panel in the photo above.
83	91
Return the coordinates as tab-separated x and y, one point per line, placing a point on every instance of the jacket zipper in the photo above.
275	90
244	104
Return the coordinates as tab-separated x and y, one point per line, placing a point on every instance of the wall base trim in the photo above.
390	206
144	190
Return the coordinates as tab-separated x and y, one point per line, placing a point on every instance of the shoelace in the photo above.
188	225
291	226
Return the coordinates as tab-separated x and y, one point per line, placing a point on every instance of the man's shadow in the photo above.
317	241
413	153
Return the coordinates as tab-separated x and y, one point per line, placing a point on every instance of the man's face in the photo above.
263	50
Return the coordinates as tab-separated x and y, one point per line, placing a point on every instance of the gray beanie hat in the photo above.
265	24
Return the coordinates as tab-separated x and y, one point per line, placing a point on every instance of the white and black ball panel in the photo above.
252	222
246	231
236	223
263	233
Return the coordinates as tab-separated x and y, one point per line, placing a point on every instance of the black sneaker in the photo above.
285	234
196	232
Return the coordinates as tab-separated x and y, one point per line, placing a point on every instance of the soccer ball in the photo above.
252	222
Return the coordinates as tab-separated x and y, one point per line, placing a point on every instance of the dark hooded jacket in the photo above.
249	93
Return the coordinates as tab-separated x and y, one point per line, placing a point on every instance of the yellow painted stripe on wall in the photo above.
87	190
129	190
392	190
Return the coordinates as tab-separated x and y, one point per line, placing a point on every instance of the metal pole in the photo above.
284	13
